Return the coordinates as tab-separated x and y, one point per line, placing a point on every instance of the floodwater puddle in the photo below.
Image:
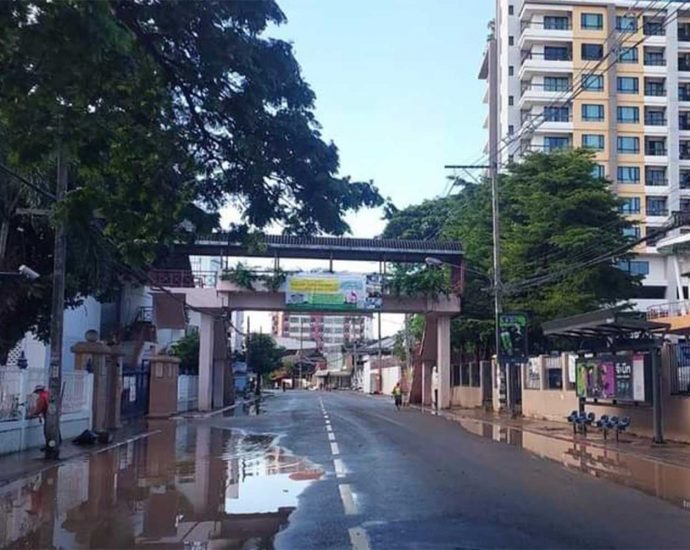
188	486
660	479
246	408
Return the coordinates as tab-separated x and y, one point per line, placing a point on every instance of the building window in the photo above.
630	205
592	21
655	176
556	23
511	129
628	84
511	9
556	53
653	26
511	70
628	115
593	141
556	114
592	112
556	84
552	143
511	41
634	267
628	174
593	82
626	23
511	158
656	206
628	144
511	100
599	171
592	51
655	87
632	232
628	55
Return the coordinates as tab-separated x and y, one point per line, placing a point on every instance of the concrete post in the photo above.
443	361
220	363
206	340
104	362
163	386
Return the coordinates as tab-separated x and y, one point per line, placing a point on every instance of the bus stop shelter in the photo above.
613	331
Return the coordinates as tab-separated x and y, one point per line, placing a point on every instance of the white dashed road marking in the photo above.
359	539
348	500
334	448
339	468
331	436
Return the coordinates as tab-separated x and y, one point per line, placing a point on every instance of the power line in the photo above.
28	183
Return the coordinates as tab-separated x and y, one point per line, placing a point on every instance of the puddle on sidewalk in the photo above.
252	408
188	487
659	479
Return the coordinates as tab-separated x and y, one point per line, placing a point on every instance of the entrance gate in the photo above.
135	390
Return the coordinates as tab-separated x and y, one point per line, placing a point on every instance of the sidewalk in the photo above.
30	462
477	420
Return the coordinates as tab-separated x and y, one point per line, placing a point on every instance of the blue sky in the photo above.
396	86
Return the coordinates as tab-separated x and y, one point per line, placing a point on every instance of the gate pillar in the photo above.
105	363
443	361
163	386
206	341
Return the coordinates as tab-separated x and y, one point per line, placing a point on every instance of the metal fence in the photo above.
17	386
466	374
680	370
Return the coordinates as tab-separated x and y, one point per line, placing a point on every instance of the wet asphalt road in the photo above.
420	481
322	470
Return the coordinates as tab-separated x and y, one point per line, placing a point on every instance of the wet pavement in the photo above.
186	486
336	470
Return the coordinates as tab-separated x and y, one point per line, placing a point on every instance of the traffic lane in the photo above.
412	470
319	521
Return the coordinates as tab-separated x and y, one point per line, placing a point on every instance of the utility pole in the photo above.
380	382
408	355
248	344
498	288
52	418
301	348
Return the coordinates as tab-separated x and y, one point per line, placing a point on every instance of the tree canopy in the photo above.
166	110
555	216
264	355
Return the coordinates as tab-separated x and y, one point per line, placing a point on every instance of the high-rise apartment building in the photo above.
325	330
609	75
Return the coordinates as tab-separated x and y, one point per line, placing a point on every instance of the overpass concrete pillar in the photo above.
206	341
443	360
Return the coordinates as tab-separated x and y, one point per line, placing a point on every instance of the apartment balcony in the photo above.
546	124
533	94
535	32
539	63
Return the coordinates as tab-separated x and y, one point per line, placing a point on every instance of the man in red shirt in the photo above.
40	409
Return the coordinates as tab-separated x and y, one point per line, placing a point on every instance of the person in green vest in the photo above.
397	395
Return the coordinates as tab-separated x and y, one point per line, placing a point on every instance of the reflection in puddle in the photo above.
188	487
666	481
252	408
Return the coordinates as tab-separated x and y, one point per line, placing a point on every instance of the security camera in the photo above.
28	272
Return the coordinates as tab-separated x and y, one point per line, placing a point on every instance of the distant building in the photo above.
325	330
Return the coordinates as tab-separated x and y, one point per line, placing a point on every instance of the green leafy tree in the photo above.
187	350
555	215
165	111
264	355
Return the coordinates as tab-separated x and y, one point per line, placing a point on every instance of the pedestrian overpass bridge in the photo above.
214	297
